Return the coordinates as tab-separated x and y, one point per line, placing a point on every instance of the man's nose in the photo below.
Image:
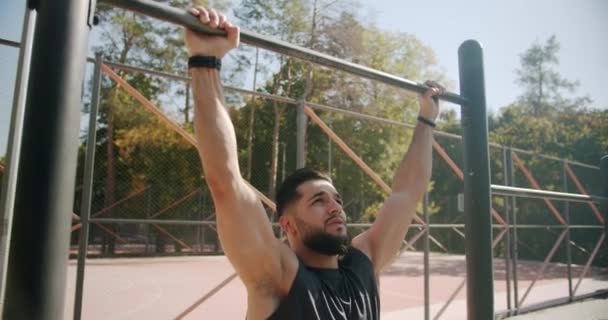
335	207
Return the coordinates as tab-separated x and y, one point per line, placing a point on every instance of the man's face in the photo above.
320	218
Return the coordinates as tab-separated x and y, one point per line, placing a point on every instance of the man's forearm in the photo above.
214	130
415	169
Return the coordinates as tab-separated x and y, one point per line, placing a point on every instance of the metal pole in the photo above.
568	244
513	218
604	174
40	237
478	224
508	235
544	194
427	286
87	187
301	121
9	181
146	226
183	18
199	210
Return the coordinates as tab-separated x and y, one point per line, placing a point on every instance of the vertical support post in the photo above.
604	174
427	287
201	217
513	220
13	150
148	198
568	241
87	189
301	121
478	224
507	246
37	267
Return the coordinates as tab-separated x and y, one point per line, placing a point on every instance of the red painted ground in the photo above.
163	288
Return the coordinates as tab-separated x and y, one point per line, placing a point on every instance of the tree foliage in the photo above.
145	154
545	121
543	87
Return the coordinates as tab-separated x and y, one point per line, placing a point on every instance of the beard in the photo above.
322	242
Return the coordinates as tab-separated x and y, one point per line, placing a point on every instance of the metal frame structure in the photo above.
35	285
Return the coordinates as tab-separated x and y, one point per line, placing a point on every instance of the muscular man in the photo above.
319	274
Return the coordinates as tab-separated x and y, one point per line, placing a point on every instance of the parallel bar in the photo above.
427	285
183	18
87	189
568	240
543	194
477	204
10	43
37	270
13	148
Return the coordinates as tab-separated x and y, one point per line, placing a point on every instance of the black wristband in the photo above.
204	62
427	121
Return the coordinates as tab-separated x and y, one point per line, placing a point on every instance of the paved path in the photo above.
163	288
587	310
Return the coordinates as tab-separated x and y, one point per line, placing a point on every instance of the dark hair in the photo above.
287	191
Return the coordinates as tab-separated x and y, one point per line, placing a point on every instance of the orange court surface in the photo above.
169	288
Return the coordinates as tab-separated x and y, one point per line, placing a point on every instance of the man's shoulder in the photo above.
357	257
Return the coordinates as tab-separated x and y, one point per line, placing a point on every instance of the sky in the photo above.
504	28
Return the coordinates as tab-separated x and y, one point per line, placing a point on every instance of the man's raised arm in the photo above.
245	232
383	239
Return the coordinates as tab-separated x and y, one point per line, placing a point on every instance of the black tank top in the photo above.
347	293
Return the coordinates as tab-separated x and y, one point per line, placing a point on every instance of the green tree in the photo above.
545	121
543	86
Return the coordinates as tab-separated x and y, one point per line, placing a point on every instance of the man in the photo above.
318	274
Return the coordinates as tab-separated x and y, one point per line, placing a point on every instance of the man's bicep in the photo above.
246	235
381	242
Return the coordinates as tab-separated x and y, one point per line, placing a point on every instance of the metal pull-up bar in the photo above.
183	18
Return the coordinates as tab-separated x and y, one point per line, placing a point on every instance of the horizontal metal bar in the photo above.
536	154
150	221
125	67
10	43
183	18
355	225
500	190
281	99
328	108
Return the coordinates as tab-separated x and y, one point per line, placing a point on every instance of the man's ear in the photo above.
286	224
